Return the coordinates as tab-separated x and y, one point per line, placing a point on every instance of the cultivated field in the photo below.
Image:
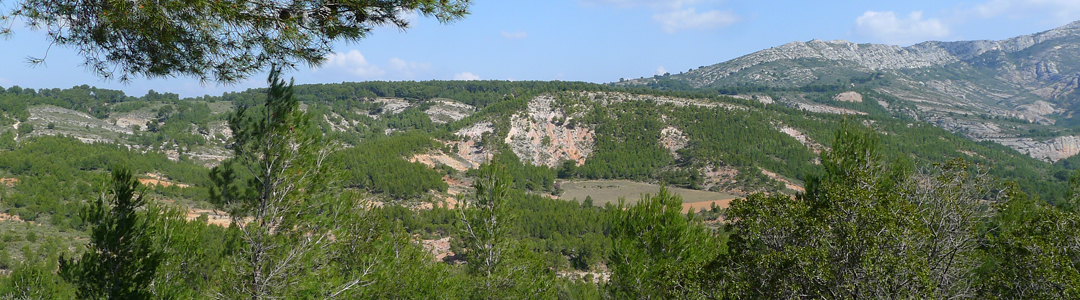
609	191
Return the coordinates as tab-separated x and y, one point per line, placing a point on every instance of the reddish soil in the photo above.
151	182
696	206
7	217
440	248
9	181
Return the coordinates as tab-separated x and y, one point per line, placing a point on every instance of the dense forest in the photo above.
321	201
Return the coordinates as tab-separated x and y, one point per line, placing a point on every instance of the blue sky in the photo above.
588	40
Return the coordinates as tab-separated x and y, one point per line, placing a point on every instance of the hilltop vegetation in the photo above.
393	201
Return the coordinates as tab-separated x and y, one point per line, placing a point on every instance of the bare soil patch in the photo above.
696	206
11	181
214	217
158	180
787	183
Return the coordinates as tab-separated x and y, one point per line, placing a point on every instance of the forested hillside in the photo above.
407	179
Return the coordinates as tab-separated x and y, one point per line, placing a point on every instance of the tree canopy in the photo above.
218	40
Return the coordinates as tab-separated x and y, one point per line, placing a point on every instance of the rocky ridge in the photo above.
983	89
875	57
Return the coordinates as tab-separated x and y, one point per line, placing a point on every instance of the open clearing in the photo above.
609	191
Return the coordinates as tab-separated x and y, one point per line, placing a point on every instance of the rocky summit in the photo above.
1019	92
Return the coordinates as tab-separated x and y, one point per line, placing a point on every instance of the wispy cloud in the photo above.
678	15
691	19
661	71
466	76
517	35
887	27
352	63
407	69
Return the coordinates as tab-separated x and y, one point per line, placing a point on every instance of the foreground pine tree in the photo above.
278	190
120	261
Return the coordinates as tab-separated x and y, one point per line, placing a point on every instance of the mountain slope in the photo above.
1019	92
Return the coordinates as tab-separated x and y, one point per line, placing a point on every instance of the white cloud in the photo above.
661	71
352	63
517	35
690	19
4	81
1060	10
466	76
408	70
676	15
658	4
886	27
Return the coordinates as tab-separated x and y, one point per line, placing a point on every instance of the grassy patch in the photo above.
609	191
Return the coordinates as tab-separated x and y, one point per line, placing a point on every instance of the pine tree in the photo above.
120	260
277	188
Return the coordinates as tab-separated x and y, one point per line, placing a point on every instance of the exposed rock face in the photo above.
802	138
818	108
73	123
1034	113
336	122
849	97
1052	150
973	129
393	105
673	139
544	136
472	149
764	99
469	153
128	122
445	111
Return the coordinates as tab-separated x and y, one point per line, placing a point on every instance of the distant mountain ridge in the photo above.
1021	92
875	57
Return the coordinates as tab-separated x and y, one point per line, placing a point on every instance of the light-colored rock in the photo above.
127	122
1051	150
673	139
802	138
543	135
1034	112
818	108
849	97
393	105
341	125
764	99
470	152
444	111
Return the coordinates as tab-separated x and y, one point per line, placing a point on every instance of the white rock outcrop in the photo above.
1051	150
543	135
